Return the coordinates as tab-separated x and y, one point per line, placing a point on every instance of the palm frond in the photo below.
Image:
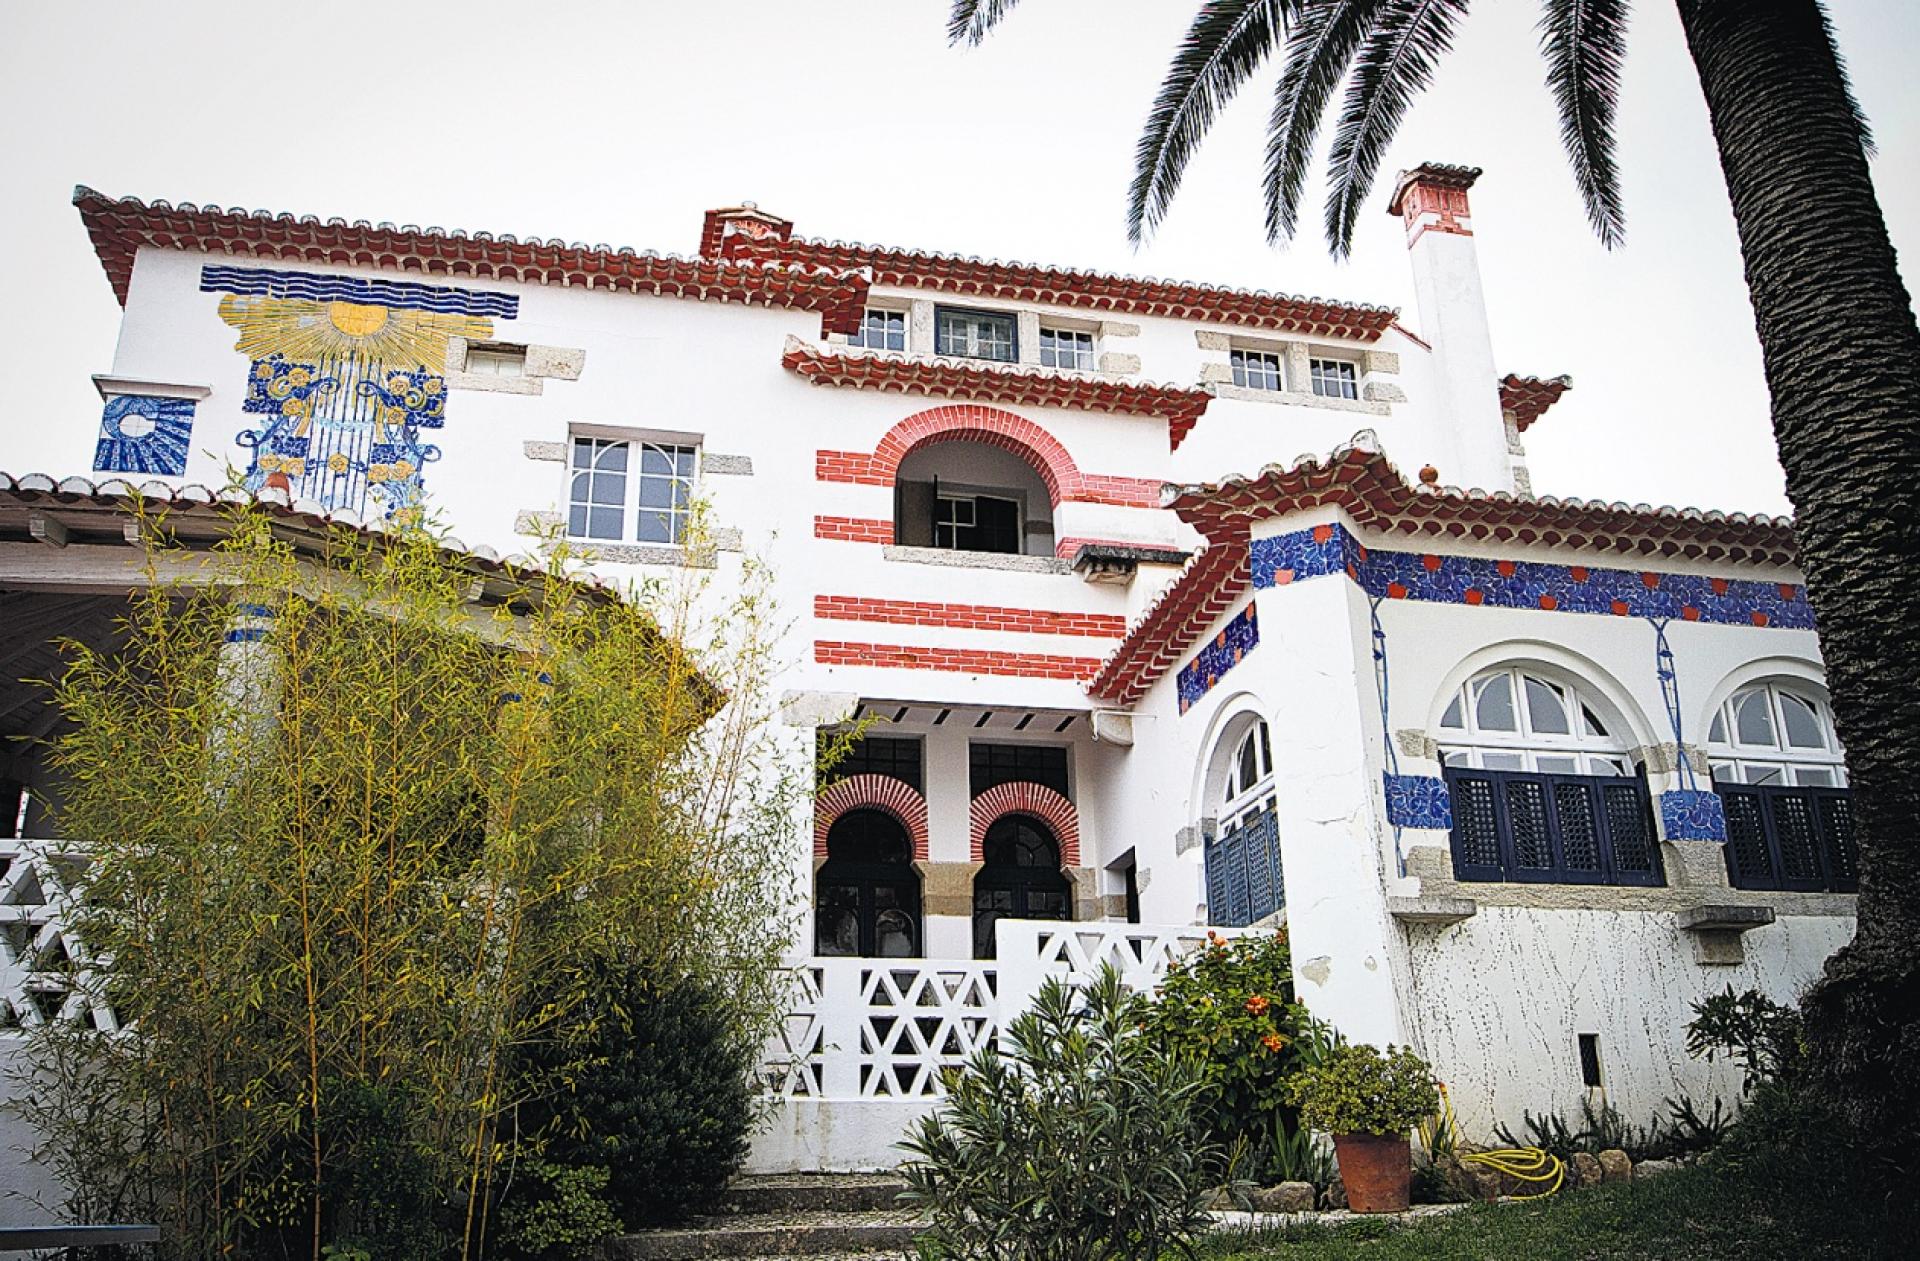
1227	42
970	20
1320	46
1394	64
1846	85
1585	42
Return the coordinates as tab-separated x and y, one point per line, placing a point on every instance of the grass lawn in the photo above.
1701	1212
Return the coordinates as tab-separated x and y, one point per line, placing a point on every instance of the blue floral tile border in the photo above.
1692	816
1418	801
1475	580
1235	640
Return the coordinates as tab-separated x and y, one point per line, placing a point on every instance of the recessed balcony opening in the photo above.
970	497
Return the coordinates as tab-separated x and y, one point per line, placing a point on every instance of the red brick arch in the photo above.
970	422
871	792
1037	800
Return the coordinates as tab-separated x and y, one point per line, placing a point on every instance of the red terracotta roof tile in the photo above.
1528	397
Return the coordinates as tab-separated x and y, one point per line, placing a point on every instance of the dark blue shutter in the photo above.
1476	827
1560	829
1781	837
1631	844
1749	856
1216	881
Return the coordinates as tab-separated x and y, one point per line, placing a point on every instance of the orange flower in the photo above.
1274	1042
1258	1005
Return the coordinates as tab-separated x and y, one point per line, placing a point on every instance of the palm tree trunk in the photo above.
1842	359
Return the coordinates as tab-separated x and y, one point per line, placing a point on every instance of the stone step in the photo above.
805	1192
875	1233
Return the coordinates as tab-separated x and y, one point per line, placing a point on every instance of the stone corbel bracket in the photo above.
1716	929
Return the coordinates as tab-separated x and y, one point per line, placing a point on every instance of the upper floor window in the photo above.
1512	719
976	334
1249	786
1334	378
893	756
630	491
881	329
1256	369
1774	735
1066	348
496	359
977	523
991	765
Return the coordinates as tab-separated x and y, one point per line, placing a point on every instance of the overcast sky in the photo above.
622	122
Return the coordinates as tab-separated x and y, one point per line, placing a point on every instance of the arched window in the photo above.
1775	735
1021	879
867	895
1542	785
1244	881
1514	719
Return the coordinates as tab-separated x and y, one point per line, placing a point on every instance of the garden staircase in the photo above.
788	1215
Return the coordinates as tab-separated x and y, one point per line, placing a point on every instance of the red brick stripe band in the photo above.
1022	665
856	608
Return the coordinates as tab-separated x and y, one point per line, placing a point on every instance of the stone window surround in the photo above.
920	331
559	363
1006	561
538	522
1376	393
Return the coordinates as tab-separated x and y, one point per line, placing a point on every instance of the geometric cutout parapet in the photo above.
1419	801
1688	815
1223	652
1479	580
139	434
347	373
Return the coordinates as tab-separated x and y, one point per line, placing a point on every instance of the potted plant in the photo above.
1368	1101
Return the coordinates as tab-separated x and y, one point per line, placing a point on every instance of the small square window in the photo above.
496	359
976	335
615	482
1334	378
881	329
1256	369
1066	348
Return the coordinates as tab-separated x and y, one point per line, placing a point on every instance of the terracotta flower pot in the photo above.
1376	1169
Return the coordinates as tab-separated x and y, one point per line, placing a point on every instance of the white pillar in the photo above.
1432	199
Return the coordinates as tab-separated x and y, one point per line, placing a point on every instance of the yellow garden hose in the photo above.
1525	1164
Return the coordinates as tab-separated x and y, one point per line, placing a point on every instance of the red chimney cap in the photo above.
1435	175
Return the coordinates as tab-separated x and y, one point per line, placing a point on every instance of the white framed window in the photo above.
496	359
976	334
1256	369
1249	786
1066	348
977	523
1334	378
1775	735
625	490
881	329
1513	719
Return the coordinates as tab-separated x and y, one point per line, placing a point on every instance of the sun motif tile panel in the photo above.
1235	640
396	295
1475	580
1687	815
347	375
1418	801
140	434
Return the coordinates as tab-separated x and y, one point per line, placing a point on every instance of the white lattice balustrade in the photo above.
40	959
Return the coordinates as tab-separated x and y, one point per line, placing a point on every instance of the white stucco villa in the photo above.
1525	776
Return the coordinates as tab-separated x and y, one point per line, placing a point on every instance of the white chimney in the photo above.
1432	199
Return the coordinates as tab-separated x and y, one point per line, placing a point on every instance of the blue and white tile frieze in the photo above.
1240	636
141	434
1689	815
1418	801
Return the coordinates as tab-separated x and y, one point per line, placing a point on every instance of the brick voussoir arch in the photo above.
871	792
970	422
1022	798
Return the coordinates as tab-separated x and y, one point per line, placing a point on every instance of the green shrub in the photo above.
1360	1091
1229	1007
1751	1029
653	1083
555	1212
1080	1140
